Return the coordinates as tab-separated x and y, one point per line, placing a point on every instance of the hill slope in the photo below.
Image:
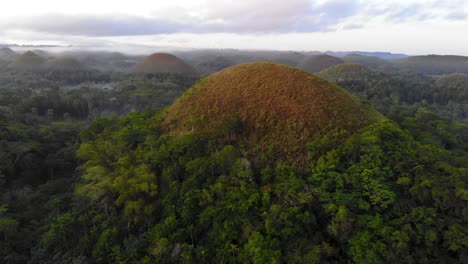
319	62
164	63
7	54
280	108
452	87
371	62
215	64
29	60
65	64
434	64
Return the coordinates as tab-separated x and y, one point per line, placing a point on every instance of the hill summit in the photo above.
268	108
319	62
164	63
7	54
65	64
29	60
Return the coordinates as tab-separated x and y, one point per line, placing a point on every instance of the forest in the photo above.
94	167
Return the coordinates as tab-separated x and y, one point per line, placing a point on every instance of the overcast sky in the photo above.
404	26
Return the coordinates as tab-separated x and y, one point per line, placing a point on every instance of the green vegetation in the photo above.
433	64
149	197
259	163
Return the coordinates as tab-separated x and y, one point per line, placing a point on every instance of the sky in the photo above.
399	26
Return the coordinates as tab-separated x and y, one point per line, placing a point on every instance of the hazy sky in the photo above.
407	26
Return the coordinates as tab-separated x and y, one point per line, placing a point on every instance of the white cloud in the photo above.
292	24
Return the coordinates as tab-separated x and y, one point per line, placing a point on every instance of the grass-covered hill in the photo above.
29	61
7	54
433	64
370	62
317	63
214	64
292	59
164	63
278	108
66	64
360	80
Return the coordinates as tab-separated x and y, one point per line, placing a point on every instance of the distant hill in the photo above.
66	64
164	63
41	53
215	64
433	64
7	54
370	62
267	106
382	55
319	62
29	60
361	81
292	59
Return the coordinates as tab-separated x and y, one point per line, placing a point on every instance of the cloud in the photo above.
416	10
457	15
241	17
216	16
87	25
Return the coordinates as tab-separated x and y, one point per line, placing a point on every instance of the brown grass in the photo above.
282	108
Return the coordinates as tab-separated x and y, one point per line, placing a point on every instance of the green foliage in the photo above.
233	125
383	194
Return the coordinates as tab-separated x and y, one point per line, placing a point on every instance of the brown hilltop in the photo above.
319	62
164	63
281	109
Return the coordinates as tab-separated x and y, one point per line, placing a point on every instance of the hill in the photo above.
433	64
319	62
289	58
452	87
29	60
65	64
374	85
277	108
164	63
382	55
360	81
371	62
216	64
41	53
7	54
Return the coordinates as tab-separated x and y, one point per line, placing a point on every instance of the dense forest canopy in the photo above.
99	165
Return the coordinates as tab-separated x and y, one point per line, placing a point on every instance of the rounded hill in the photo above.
29	60
65	64
215	64
433	64
7	54
361	81
349	72
319	62
164	63
371	62
268	108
